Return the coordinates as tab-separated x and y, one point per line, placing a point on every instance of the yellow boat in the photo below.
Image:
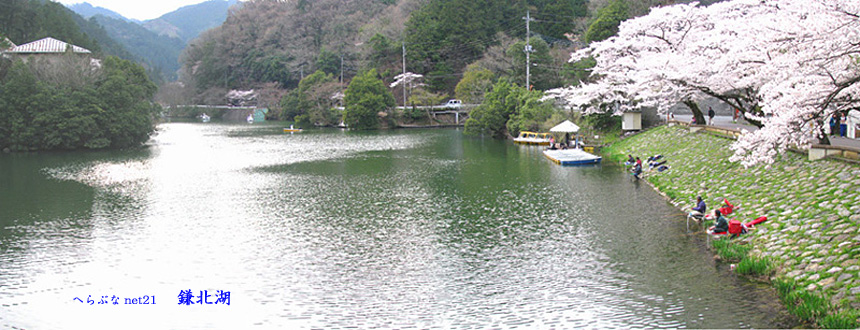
527	137
292	130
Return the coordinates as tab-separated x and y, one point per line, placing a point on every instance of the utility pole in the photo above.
528	48
302	72
341	69
403	44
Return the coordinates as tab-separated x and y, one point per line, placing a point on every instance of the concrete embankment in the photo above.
813	208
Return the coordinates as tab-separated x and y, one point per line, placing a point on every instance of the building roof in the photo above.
47	46
565	127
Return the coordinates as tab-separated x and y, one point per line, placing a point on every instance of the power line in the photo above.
544	13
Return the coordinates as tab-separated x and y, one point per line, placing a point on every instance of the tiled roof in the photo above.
47	46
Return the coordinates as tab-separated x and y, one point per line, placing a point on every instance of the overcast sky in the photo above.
137	9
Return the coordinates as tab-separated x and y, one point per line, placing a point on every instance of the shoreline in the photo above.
813	208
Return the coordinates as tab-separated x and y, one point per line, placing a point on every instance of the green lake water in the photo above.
335	229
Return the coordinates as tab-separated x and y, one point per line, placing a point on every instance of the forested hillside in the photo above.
67	102
24	21
155	43
159	52
270	45
188	22
269	41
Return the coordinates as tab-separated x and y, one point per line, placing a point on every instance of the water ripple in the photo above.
405	229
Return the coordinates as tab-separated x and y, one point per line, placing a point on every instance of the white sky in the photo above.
137	9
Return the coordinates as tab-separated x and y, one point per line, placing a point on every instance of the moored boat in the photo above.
527	137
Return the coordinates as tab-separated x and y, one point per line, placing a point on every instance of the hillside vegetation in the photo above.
158	52
271	45
188	22
66	102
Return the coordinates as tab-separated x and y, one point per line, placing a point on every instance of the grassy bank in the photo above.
810	245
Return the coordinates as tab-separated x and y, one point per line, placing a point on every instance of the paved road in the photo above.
726	122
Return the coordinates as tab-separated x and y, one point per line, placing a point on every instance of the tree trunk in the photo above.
823	138
697	113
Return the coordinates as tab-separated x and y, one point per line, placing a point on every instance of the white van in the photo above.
454	104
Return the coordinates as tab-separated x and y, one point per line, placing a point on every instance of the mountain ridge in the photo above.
159	42
87	10
184	23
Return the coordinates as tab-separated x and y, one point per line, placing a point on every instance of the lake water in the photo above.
335	229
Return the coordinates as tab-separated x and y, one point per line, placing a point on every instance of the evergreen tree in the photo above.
365	97
113	110
312	103
607	21
509	109
475	84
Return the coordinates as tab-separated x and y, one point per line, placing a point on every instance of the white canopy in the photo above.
565	127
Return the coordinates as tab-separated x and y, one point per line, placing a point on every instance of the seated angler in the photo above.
699	210
721	225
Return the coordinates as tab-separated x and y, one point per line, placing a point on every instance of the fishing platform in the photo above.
571	157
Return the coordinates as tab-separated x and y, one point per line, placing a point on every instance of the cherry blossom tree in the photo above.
407	81
814	75
785	64
241	98
406	78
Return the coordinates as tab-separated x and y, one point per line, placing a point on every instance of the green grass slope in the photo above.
811	237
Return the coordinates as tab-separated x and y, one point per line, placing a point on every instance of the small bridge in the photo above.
231	113
434	110
445	110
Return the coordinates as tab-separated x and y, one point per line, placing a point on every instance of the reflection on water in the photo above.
335	229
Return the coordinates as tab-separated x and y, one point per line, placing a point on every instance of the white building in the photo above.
48	47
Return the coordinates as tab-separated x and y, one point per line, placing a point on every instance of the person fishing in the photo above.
637	169
721	225
699	210
630	160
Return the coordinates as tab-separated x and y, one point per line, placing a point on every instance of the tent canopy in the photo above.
565	127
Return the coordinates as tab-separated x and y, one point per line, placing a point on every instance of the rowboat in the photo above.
292	130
